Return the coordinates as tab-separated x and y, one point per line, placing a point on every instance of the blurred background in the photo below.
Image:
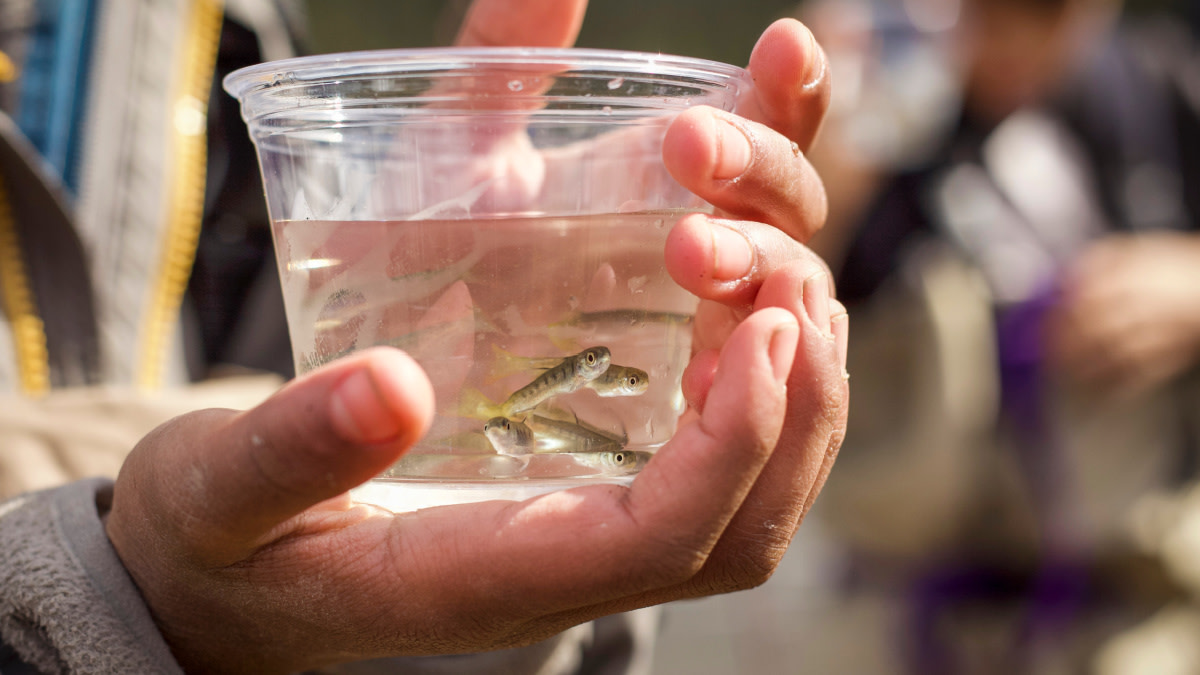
1014	203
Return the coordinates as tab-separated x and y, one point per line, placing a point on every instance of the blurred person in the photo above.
228	543
1026	307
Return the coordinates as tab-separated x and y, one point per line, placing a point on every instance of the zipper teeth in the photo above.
186	189
29	334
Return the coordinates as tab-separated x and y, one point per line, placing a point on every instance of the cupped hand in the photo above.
252	558
747	258
1129	316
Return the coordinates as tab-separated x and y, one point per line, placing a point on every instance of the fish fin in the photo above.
474	404
556	413
506	363
566	345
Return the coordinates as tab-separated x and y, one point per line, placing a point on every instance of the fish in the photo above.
567	376
554	435
586	444
620	460
509	437
630	317
581	325
413	343
620	381
617	380
626	317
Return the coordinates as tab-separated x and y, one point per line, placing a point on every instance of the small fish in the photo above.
624	317
555	435
413	343
440	333
595	325
621	381
620	460
615	381
510	437
569	375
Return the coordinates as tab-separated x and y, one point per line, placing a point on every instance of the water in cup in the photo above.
504	315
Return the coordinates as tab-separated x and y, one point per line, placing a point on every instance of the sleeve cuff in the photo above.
66	602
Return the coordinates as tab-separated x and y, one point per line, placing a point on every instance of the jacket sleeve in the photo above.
67	605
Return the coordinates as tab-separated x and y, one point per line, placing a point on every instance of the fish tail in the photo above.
504	364
564	344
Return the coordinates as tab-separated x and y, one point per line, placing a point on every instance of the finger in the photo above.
727	261
746	170
698	378
818	401
791	82
522	23
839	323
236	477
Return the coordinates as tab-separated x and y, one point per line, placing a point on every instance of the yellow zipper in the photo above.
186	189
29	334
8	69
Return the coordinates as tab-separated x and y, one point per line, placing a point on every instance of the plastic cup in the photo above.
499	214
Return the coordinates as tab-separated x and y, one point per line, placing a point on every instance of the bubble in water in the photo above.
515	85
616	83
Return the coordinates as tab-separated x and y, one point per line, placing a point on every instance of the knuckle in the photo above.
676	564
747	566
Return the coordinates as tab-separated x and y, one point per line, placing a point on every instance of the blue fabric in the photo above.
54	83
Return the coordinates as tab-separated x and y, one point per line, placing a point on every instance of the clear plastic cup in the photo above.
499	214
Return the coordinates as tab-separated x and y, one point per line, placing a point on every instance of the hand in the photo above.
238	530
1129	320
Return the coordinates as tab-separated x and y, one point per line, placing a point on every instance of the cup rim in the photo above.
250	80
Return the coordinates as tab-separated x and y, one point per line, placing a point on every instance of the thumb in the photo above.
225	481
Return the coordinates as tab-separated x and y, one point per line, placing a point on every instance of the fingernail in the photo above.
782	349
359	413
814	62
816	301
840	325
733	257
733	150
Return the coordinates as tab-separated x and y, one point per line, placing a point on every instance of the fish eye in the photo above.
633	380
590	358
619	458
506	425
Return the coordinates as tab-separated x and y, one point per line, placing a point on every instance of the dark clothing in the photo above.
1135	114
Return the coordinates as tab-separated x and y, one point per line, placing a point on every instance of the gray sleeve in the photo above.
67	605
